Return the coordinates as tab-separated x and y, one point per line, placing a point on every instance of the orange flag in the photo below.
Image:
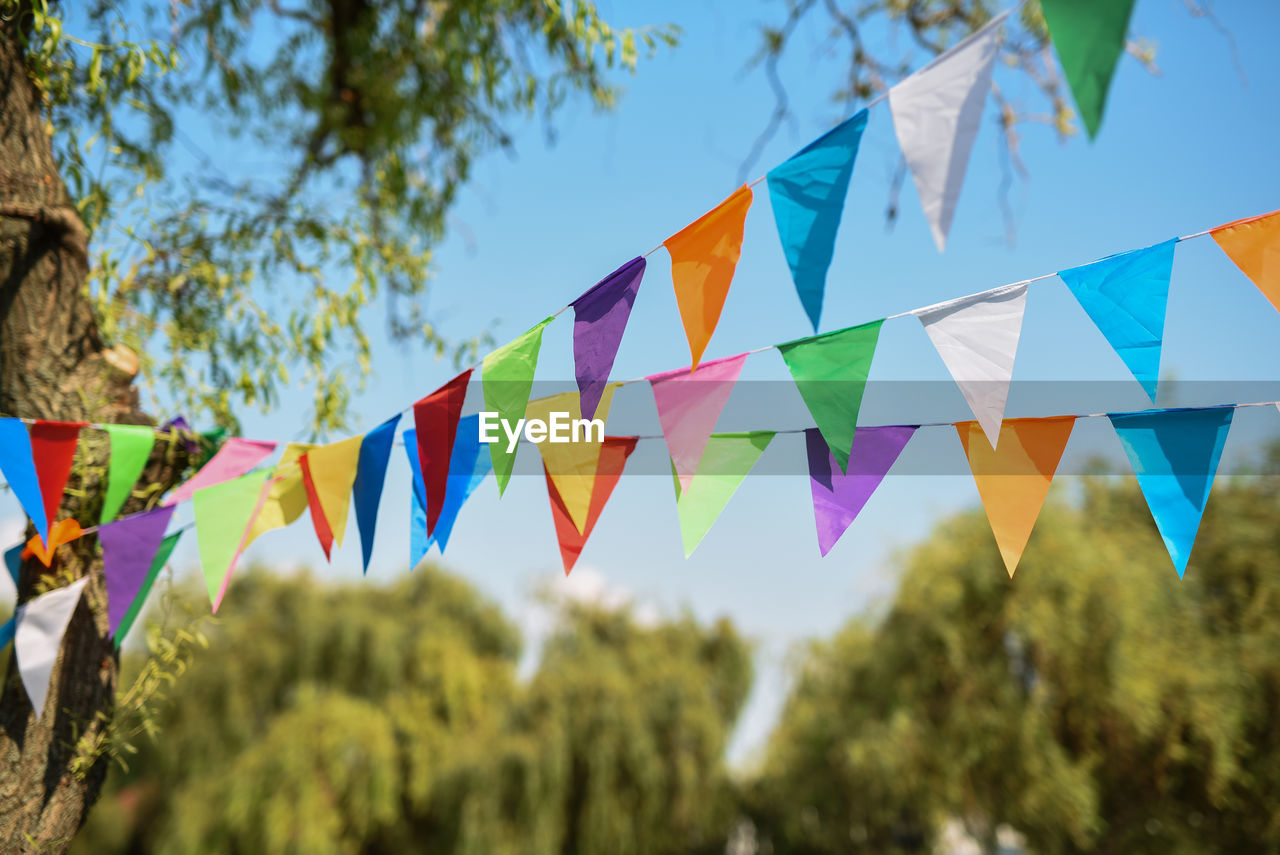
1014	480
1254	245
613	458
63	531
703	257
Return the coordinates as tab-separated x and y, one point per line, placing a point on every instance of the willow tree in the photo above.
206	197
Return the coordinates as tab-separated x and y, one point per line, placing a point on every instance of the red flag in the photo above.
323	533
53	447
613	458
436	419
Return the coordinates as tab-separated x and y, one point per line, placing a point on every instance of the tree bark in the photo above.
53	365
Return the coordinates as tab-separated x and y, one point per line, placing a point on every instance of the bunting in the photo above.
572	465
977	338
507	376
135	608
285	495
704	256
688	406
807	193
53	449
1013	478
13	563
371	474
130	450
1089	36
613	459
435	420
223	512
830	371
1254	245
599	319
725	463
838	498
236	457
1175	454
468	466
40	625
63	532
18	466
129	548
329	474
419	540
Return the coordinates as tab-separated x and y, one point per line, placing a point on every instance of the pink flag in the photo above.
236	457
689	404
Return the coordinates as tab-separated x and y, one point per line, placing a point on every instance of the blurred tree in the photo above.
1096	703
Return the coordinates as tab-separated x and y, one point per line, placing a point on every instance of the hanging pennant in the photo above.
135	608
726	462
7	630
371	474
807	193
468	466
223	512
1175	454
285	495
53	448
419	540
688	406
13	563
507	377
704	256
1254	245
236	457
1126	295
838	498
1014	481
1089	36
572	465
613	459
830	371
40	625
63	532
328	474
130	449
435	419
129	548
599	319
977	338
936	115
19	469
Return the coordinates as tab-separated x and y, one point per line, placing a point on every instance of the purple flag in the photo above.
599	319
838	497
128	546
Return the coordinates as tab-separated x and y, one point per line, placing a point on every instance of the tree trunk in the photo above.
53	365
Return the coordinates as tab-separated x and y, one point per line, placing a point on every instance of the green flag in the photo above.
725	462
130	450
1089	36
830	371
223	513
508	380
140	599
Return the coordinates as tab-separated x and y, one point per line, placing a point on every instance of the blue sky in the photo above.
1188	149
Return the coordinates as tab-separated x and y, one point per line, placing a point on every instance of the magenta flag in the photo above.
236	457
599	319
689	404
128	547
839	497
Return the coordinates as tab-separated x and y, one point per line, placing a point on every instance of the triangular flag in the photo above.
19	469
1014	480
135	608
507	376
572	465
236	457
53	448
1254	245
329	473
63	531
435	420
468	466
13	562
223	512
613	459
419	540
130	449
726	462
371	474
936	115
703	258
977	338
1175	455
40	624
1126	296
7	630
831	371
807	194
285	495
1089	36
839	498
688	406
599	320
129	548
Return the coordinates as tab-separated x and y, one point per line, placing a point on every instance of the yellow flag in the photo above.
286	496
572	465
1014	480
332	469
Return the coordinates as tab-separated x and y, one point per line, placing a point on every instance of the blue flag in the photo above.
467	468
418	540
807	193
13	561
6	632
19	468
1126	295
1175	455
371	473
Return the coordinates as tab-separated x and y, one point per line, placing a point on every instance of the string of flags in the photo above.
936	112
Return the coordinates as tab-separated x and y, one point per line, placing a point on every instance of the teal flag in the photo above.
1175	455
807	193
1089	36
1126	295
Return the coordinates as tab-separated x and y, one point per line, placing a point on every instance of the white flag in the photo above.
41	624
936	114
977	338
